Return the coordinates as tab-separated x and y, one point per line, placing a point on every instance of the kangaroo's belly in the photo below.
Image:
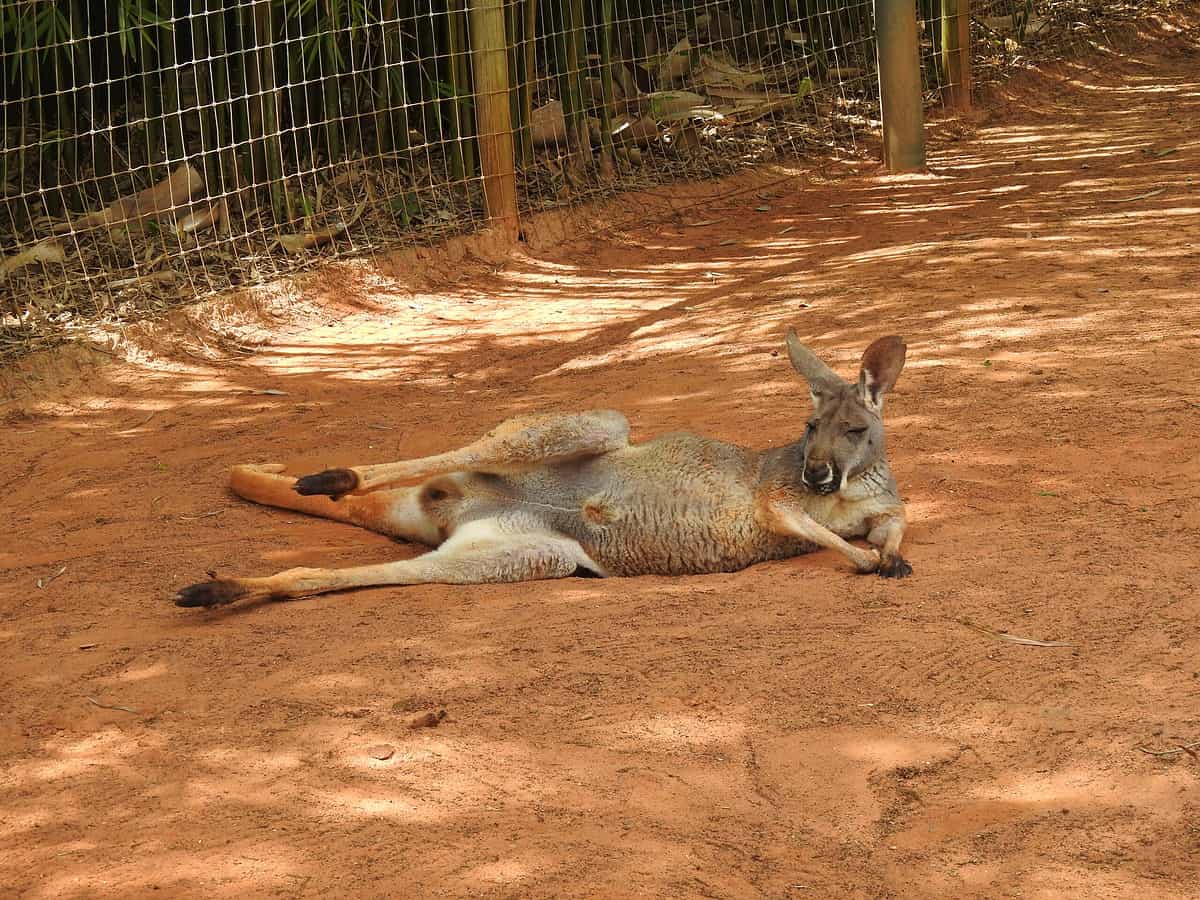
678	505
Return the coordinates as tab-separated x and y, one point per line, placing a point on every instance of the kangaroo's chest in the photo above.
848	517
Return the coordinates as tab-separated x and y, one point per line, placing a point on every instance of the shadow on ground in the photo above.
789	730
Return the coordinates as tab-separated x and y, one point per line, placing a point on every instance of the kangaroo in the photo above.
555	496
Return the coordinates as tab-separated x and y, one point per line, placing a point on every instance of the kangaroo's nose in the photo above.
821	477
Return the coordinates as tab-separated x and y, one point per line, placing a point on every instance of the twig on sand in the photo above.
215	512
96	702
1189	749
42	582
1012	638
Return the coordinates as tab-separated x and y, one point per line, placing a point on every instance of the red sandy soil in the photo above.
789	730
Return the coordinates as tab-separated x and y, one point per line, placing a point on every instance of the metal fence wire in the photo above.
155	151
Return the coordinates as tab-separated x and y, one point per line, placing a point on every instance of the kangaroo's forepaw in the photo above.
895	567
218	592
333	483
868	562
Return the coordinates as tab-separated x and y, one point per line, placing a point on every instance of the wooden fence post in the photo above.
493	113
900	85
956	53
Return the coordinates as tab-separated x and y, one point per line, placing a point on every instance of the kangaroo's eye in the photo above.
856	432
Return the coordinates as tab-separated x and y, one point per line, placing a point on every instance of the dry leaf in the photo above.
714	71
1012	638
174	191
726	92
675	64
548	125
204	216
42	582
643	131
46	251
381	752
674	105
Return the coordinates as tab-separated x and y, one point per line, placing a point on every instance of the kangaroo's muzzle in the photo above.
821	478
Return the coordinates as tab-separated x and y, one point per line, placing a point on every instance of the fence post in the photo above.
493	113
956	53
900	85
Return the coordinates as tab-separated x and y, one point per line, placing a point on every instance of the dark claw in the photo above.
210	593
896	567
330	483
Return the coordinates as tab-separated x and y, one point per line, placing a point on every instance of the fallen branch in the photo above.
1011	638
173	192
41	583
215	512
1189	749
95	702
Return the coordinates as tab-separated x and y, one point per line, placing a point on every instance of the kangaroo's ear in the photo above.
822	380
881	365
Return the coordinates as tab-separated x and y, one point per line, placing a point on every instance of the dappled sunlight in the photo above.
683	731
375	803
738	734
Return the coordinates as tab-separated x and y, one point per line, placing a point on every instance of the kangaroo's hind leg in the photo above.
401	513
480	552
516	445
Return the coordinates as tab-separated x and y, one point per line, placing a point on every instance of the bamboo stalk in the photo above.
529	83
210	161
816	34
385	136
222	102
956	53
151	107
578	80
427	49
353	119
513	21
465	102
297	91
780	9
331	87
398	91
607	93
255	162
455	45
567	53
268	104
65	144
172	121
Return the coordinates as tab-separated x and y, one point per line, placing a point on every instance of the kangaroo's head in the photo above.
845	434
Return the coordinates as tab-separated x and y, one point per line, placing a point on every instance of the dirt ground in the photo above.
789	730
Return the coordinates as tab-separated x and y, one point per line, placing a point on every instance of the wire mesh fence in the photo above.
155	151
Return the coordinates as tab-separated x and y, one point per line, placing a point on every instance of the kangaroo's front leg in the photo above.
481	552
514	446
886	533
786	515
